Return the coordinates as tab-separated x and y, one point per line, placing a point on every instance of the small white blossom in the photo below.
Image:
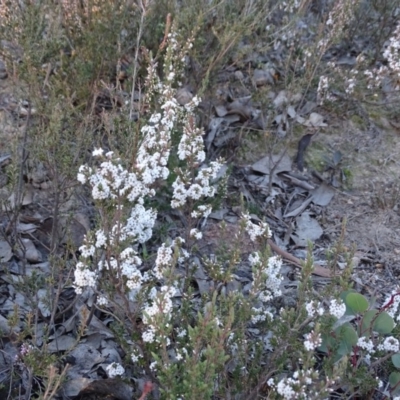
148	335
101	239
153	365
195	233
97	152
254	230
254	259
83	277
115	369
389	344
102	301
312	341
366	344
181	333
313	309
87	250
337	308
81	178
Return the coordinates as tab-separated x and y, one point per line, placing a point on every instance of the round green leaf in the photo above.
394	379
327	344
396	360
367	321
384	323
357	302
343	296
348	338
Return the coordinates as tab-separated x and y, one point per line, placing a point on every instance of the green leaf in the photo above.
384	323
367	321
343	296
394	380
381	322
348	338
396	360
327	343
356	302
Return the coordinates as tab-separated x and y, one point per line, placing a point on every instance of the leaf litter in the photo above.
298	205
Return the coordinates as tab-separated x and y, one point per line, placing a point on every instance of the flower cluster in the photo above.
392	51
322	90
300	386
111	181
312	341
84	277
392	55
389	344
314	309
269	288
115	369
383	73
255	230
340	16
154	151
365	344
337	308
24	351
114	185
188	187
157	313
126	266
165	256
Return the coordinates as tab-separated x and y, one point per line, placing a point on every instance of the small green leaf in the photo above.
396	360
384	323
381	322
343	296
327	344
394	380
367	321
348	338
357	302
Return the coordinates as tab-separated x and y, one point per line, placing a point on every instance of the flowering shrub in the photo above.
190	351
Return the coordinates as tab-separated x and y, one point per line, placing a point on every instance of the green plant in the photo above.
196	325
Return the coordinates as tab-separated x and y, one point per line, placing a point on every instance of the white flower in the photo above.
102	301
366	344
337	308
97	152
87	250
254	230
153	365
140	224
101	239
181	333
148	335
81	178
254	259
312	341
164	259
135	357
389	344
115	369
313	309
284	389
83	277
195	233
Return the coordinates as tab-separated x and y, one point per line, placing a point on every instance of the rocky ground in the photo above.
341	187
